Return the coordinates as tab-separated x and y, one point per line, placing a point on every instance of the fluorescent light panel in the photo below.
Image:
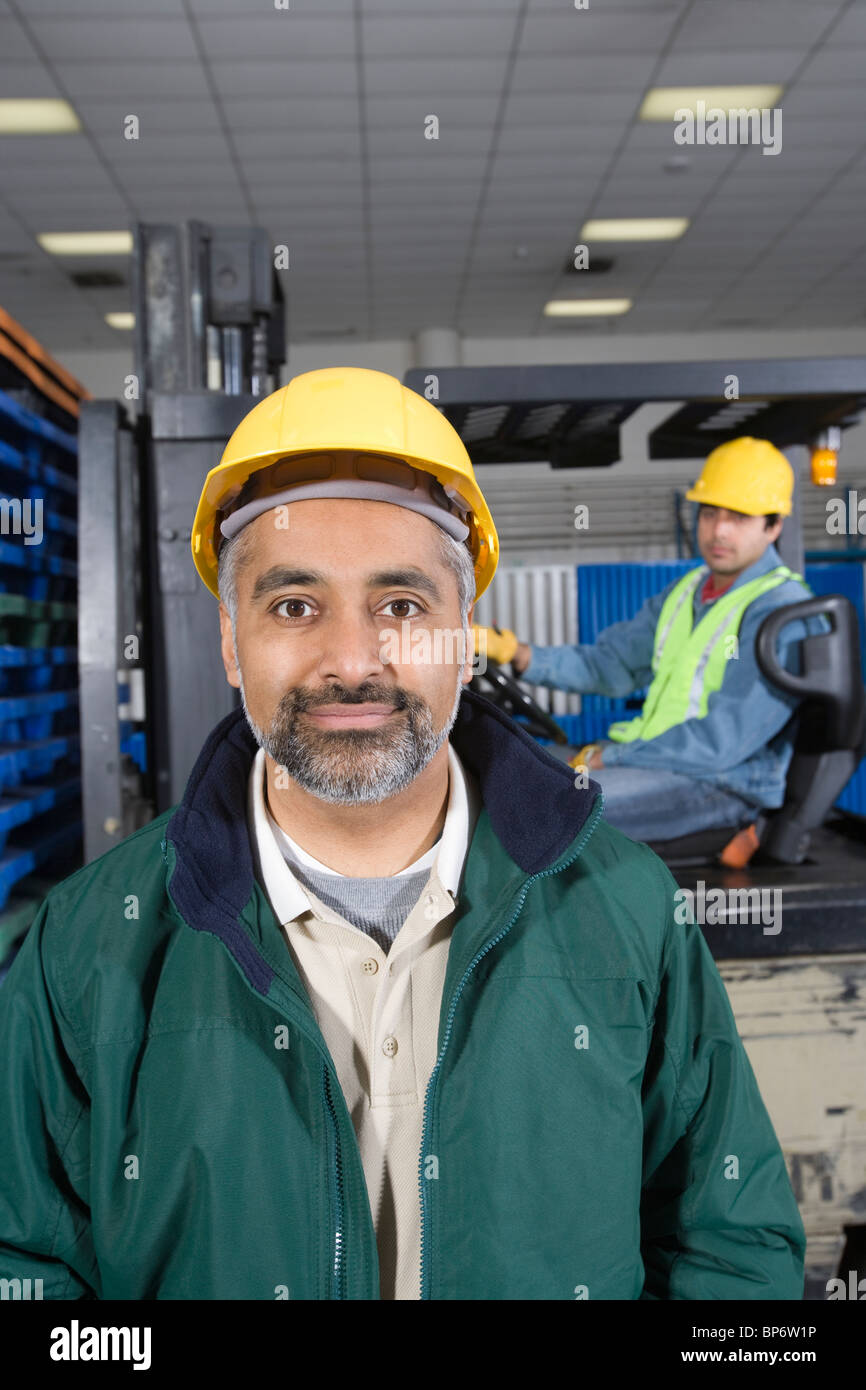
120	319
86	243
586	308
633	228
662	103
37	116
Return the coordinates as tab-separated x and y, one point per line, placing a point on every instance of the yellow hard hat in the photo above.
746	475
344	431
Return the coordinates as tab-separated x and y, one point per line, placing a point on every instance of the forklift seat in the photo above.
829	728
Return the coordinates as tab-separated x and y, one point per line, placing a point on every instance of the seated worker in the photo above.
708	748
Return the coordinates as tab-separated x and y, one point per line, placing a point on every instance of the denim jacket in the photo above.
742	743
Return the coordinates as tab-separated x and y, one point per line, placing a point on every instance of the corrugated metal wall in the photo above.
539	603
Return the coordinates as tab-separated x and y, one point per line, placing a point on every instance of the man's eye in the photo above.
296	602
404	601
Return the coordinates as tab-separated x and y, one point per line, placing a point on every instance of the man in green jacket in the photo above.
383	1008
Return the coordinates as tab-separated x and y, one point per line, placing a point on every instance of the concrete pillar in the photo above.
790	543
437	347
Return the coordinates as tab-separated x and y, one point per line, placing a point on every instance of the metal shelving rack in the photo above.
40	783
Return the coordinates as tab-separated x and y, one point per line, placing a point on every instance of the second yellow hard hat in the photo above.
746	475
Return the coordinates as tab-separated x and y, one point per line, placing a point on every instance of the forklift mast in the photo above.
209	342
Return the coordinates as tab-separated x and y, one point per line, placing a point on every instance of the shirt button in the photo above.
389	1047
370	966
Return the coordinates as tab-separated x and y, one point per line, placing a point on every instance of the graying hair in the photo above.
234	554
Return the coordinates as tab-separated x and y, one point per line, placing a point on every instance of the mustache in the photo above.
301	699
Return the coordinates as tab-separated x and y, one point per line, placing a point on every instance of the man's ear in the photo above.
227	648
469	665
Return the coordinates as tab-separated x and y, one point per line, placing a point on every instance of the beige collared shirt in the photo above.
378	1012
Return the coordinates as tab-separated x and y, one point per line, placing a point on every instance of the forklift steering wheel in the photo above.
509	696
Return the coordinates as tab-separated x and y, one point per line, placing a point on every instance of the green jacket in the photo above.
172	1126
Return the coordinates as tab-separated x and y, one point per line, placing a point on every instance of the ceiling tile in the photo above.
729	66
298	146
850	27
301	8
15	45
802	132
431	80
814	100
625	71
409	141
702	163
147	157
439	34
132	39
311	200
79	217
284	113
27	151
264	76
79	175
286	34
429	171
175	205
202	175
130	80
82	10
580	32
105	116
98	210
401	7
532	135
22	79
743	24
456	109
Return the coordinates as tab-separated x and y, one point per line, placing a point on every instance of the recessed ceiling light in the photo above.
97	279
633	228
37	116
596	265
86	243
662	103
121	319
585	308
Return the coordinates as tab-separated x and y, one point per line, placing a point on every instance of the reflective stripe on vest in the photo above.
671	607
689	663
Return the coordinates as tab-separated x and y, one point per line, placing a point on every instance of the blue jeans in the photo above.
650	804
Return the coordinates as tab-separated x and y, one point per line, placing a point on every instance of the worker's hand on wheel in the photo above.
590	756
499	643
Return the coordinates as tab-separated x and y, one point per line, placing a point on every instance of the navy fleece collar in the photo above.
535	811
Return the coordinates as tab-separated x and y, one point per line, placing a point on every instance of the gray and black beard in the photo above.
352	767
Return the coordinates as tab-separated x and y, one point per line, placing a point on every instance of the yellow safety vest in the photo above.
689	664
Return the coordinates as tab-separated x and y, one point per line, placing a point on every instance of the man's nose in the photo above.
352	649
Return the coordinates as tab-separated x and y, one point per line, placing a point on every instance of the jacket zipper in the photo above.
598	807
335	1175
336	1186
